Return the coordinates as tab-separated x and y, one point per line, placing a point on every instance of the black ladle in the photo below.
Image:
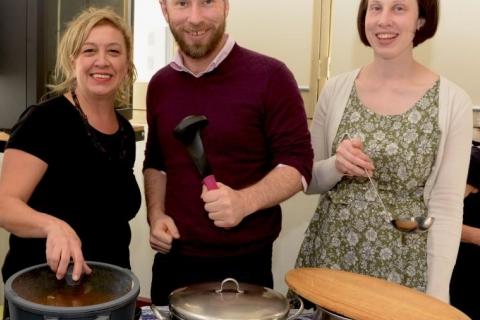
188	132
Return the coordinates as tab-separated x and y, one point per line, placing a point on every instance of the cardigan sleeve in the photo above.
325	175
445	202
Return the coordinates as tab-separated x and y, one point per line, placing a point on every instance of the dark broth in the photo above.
41	287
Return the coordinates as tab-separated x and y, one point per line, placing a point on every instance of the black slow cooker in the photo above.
109	293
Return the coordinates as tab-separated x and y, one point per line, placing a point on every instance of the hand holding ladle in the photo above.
408	225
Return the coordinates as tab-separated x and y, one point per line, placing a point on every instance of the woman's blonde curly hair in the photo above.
72	40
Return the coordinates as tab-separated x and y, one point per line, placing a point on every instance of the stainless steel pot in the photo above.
229	300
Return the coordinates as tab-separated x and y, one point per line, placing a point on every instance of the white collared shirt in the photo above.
177	62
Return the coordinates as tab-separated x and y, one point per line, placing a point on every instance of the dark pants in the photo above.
466	281
172	271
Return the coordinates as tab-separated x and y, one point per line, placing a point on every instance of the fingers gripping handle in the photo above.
210	182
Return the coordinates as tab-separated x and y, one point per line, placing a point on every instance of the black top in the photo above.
93	190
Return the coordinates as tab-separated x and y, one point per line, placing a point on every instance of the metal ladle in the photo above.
408	225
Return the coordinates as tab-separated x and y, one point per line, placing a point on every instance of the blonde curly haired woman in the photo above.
67	188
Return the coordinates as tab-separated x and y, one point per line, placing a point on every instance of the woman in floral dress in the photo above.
410	130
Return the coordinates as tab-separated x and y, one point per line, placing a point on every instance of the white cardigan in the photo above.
444	189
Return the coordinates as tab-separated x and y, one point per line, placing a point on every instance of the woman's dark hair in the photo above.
427	9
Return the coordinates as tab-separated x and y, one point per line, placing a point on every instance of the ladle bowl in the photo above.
413	224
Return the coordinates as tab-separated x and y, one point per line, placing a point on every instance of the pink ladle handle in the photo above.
210	182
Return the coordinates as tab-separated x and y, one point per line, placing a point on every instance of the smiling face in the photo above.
101	63
198	26
390	26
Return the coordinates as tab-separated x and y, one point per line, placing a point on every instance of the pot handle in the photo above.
299	311
229	280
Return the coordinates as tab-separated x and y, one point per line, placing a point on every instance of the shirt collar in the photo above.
177	62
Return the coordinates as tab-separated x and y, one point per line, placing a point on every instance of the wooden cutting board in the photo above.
366	298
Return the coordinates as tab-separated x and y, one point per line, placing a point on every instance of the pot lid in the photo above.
228	300
40	286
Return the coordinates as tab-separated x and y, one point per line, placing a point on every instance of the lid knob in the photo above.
229	280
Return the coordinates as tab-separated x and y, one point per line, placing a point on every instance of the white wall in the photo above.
151	36
279	28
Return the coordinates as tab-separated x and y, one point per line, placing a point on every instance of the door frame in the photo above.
320	56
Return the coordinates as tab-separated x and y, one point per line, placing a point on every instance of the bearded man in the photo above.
256	141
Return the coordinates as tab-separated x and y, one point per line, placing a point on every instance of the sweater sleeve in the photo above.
153	154
286	123
325	175
446	199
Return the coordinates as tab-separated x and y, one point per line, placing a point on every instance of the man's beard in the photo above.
199	51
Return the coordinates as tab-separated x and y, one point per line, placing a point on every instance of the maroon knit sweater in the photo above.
256	121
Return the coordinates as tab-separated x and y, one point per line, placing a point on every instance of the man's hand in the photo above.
225	206
162	232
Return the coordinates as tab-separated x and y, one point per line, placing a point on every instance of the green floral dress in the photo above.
349	230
